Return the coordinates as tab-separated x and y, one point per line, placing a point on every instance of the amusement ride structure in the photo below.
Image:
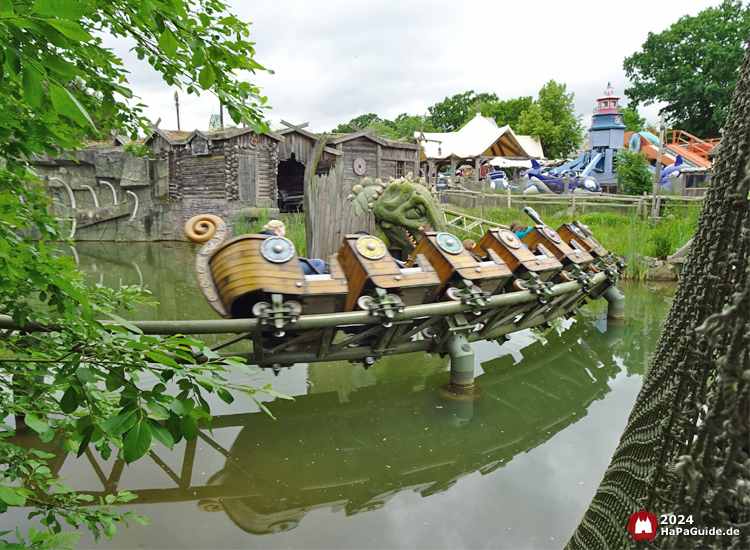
370	305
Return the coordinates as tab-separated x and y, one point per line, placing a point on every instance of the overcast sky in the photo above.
335	60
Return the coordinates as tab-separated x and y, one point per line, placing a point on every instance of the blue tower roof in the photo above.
609	121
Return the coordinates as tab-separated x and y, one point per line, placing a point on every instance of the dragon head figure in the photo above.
400	208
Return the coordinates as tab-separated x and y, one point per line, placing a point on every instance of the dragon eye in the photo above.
418	211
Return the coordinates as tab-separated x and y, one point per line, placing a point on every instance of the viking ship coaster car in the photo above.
260	276
448	294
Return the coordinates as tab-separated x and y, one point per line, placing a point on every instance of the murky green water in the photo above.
379	458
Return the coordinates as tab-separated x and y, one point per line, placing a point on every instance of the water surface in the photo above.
381	458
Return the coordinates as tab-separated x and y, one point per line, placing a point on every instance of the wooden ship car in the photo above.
261	276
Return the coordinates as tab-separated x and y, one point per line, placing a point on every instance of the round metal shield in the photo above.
449	243
552	234
578	232
360	166
509	238
370	247
277	249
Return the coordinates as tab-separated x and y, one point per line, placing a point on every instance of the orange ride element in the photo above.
671	150
689	142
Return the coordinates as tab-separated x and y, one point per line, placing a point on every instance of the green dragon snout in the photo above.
400	207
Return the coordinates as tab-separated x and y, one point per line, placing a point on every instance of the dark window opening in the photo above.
172	166
399	168
291	182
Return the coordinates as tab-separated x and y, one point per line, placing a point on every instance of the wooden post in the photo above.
378	155
510	199
309	201
453	171
573	206
567	184
657	168
476	170
483	196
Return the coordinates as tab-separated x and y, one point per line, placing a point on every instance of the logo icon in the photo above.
643	525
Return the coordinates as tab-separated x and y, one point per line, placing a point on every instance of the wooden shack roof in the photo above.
181	137
368	133
300	129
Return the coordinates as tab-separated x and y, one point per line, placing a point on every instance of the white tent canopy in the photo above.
479	137
502	162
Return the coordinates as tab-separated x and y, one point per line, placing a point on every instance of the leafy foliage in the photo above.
94	381
139	150
693	66
508	111
552	119
403	127
452	113
633	120
633	173
362	121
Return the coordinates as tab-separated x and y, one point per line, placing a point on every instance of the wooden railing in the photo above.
577	202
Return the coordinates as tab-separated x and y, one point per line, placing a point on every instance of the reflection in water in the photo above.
357	455
367	435
356	438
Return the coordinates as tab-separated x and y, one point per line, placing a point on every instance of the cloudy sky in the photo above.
335	60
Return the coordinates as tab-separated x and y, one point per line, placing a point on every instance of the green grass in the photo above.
295	228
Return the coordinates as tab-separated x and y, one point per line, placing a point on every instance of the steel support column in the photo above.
615	303
462	360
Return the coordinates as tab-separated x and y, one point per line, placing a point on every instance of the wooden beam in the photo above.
378	159
333	151
296	126
362	133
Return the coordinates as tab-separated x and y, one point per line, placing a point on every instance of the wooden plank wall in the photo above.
295	143
329	215
363	148
203	176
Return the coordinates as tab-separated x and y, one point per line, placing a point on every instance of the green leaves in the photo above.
64	9
10	495
206	78
32	87
168	43
121	423
68	402
6	8
712	44
137	442
82	384
70	29
189	427
36	424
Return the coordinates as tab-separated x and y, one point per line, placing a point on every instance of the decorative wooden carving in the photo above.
360	166
199	146
200	229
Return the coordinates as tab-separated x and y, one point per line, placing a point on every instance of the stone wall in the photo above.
115	196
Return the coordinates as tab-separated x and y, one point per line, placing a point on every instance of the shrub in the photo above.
139	149
633	173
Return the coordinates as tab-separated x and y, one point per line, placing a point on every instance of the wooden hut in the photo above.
368	155
219	172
